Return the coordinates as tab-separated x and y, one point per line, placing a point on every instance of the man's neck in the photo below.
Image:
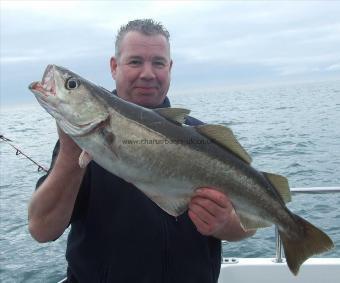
166	102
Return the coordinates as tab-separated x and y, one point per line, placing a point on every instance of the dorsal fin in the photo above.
281	185
176	115
225	138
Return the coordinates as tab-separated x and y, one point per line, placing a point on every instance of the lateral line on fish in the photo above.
139	124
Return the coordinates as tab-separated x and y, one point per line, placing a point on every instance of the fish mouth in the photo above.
47	86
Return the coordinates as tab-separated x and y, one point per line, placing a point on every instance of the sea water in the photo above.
292	130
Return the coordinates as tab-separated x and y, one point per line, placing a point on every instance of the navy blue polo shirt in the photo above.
119	235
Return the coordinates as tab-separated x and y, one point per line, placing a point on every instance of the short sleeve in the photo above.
54	157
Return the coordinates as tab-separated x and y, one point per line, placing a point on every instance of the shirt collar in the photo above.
166	102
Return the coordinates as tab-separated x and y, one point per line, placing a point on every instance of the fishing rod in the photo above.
18	152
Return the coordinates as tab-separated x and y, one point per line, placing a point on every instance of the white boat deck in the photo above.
266	270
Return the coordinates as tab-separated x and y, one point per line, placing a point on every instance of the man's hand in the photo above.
67	146
213	215
69	152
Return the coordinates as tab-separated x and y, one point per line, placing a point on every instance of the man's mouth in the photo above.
146	88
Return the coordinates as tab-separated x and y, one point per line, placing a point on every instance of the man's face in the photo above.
142	71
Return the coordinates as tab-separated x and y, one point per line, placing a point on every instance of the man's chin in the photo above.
148	100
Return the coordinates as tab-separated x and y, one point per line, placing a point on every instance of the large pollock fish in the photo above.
168	160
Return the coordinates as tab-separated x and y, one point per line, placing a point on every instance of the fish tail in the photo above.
310	241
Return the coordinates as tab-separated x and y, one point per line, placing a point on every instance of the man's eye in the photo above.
135	62
159	64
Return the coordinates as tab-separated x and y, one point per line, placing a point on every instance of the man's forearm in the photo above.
51	206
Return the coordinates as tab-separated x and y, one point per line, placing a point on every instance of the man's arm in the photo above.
51	206
213	215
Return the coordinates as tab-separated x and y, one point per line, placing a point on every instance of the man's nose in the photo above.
147	72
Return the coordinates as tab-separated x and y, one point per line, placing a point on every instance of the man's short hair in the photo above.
144	26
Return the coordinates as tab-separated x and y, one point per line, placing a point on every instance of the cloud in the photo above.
333	67
17	59
213	42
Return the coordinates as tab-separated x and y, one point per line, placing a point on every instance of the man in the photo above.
117	233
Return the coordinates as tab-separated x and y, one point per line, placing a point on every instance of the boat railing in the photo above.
279	257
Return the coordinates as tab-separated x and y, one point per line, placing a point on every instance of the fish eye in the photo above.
72	83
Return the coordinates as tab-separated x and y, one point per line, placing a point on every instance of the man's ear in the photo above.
113	66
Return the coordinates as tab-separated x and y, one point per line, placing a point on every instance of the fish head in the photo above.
70	100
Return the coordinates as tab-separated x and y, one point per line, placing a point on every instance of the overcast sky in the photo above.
214	44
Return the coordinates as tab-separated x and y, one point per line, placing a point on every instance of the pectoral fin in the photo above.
80	130
84	159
